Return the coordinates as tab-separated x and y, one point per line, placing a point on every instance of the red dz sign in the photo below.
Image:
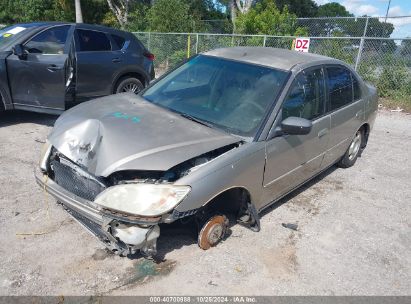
301	44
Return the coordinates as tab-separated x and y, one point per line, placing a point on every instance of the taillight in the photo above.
149	56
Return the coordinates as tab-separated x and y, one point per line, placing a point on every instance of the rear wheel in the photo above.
129	84
353	150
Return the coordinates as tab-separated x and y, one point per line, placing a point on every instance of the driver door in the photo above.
39	78
292	159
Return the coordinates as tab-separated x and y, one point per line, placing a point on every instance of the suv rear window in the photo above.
120	41
339	86
93	41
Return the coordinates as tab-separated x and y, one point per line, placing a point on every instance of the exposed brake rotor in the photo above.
212	232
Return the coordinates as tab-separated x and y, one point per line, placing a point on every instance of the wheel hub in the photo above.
212	232
354	146
131	87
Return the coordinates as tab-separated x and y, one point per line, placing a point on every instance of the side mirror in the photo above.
19	51
296	126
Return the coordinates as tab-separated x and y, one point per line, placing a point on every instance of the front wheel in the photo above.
353	151
129	84
212	231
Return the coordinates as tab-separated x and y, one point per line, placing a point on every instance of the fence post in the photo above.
357	61
197	36
188	45
265	40
149	40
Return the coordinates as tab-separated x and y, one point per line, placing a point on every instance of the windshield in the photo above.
10	33
225	94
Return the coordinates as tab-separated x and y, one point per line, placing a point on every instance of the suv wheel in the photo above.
353	151
129	84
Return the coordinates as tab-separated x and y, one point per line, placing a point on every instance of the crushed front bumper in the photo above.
121	237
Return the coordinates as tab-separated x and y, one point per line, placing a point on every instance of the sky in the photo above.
379	8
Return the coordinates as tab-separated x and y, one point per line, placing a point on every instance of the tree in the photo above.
79	14
301	8
265	18
170	16
120	9
17	11
243	6
333	9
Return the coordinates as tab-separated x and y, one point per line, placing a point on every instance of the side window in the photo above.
356	87
339	86
93	41
50	41
120	41
306	97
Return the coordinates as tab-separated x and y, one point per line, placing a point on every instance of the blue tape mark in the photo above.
133	119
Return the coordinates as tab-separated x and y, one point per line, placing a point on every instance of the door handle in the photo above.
54	68
322	132
116	60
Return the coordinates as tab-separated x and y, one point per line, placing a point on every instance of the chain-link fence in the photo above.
363	42
388	27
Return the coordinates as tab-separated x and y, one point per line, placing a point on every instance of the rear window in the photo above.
120	41
93	41
339	86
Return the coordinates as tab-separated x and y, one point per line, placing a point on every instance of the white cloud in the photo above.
366	9
322	2
402	26
359	8
396	11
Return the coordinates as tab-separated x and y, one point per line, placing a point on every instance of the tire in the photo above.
353	151
129	84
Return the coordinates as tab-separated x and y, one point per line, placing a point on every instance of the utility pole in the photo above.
79	14
388	9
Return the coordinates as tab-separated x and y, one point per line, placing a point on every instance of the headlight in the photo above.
142	199
45	152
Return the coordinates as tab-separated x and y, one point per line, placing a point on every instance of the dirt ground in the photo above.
353	238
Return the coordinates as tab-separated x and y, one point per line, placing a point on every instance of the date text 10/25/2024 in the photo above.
204	299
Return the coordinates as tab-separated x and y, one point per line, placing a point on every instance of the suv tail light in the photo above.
149	56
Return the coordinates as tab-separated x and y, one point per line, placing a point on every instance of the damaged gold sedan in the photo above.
228	132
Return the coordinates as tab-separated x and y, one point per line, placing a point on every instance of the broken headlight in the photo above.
44	155
142	199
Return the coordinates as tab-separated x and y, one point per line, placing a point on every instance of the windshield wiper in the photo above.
203	122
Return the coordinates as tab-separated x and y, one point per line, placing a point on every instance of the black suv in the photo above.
49	67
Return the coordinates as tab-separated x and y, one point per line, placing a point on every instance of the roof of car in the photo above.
276	58
83	25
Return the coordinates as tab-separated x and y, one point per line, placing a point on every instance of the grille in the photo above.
90	225
73	181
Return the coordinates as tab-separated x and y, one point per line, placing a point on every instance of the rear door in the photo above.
292	159
97	63
39	79
346	110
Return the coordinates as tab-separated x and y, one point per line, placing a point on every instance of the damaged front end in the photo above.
124	209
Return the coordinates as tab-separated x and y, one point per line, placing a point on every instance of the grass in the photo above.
394	103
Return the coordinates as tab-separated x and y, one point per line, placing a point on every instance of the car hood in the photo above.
125	132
